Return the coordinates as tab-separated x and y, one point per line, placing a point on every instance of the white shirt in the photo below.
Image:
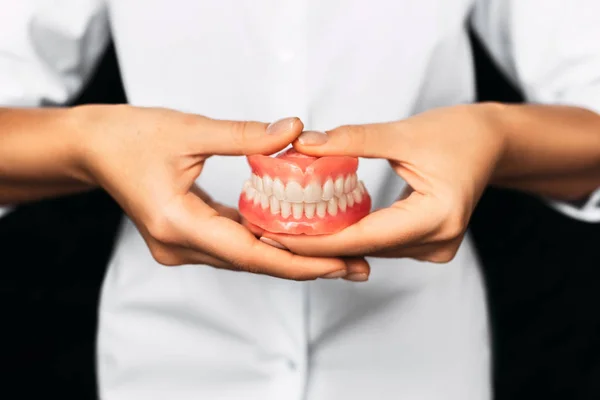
415	330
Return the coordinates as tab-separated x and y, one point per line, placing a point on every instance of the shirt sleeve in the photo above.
48	50
550	49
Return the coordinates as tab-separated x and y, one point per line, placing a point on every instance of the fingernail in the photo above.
334	275
358	277
281	126
312	138
273	243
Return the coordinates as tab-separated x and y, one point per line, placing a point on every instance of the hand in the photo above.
446	156
148	160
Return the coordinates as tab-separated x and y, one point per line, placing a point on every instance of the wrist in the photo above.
494	119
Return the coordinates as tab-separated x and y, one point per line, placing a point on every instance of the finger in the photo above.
371	141
405	223
358	269
246	137
439	252
223	210
234	244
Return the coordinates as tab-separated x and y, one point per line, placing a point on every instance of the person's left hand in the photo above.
446	156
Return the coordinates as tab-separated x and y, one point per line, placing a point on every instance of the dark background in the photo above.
542	270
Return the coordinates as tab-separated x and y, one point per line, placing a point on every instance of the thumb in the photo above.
221	137
370	141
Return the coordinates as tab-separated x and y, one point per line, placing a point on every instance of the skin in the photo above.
148	160
448	156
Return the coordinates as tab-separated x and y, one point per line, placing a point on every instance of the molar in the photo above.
264	201
342	203
357	194
350	199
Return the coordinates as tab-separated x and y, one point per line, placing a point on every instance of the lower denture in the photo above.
298	194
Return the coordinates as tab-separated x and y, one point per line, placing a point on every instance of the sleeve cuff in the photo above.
588	212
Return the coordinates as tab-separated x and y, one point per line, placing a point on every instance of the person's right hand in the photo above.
148	159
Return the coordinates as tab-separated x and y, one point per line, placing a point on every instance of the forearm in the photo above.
38	154
549	150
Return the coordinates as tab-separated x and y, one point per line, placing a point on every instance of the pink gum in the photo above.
303	169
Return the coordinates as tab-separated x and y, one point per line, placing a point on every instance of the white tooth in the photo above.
267	185
357	195
286	209
348	184
342	203
362	188
350	199
328	190
294	192
354	181
338	186
278	189
264	201
250	193
274	203
258	184
332	206
312	193
247	184
309	209
321	209
254	180
297	210
256	199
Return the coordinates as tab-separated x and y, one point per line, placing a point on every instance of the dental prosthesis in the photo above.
296	194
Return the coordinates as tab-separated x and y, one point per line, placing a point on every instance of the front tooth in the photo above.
251	193
264	201
342	203
321	209
274	203
348	184
338	186
357	195
286	209
267	185
297	210
278	189
312	193
309	209
294	192
350	199
328	190
332	206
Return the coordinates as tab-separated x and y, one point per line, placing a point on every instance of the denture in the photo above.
298	194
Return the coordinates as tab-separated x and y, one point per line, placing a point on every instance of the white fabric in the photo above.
416	330
551	51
